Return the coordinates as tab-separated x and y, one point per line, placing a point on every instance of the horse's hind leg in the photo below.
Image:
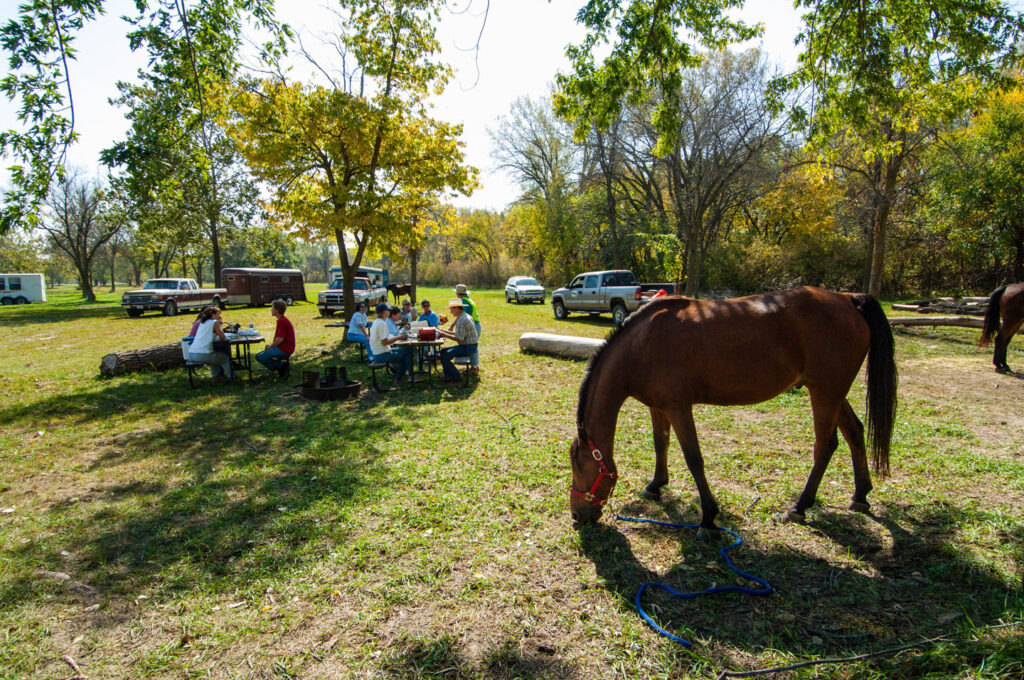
662	430
826	441
853	433
686	431
1003	338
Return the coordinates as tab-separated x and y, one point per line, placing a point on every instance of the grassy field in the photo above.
149	530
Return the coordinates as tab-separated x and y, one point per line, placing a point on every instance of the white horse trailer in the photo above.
21	289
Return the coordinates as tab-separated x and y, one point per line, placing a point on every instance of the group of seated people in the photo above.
394	323
210	343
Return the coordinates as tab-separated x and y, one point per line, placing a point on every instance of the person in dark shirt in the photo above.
283	345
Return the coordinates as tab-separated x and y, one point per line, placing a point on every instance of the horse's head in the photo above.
592	480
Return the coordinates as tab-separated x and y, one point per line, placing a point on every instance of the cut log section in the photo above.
157	358
965	321
569	346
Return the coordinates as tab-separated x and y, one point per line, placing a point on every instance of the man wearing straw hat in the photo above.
470	308
464	334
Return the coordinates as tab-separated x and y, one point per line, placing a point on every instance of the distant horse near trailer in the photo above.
1006	303
399	289
676	352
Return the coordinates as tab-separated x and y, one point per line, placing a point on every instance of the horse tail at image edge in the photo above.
991	324
882	381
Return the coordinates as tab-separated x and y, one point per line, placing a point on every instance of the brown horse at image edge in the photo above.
676	352
1006	302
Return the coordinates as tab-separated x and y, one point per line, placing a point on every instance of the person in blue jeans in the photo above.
464	333
358	329
382	341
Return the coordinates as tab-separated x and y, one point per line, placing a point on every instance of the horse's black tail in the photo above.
991	325
882	381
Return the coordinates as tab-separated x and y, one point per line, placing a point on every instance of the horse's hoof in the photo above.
703	534
793	515
858	506
651	494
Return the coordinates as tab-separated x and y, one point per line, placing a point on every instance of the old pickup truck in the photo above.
615	291
333	299
171	295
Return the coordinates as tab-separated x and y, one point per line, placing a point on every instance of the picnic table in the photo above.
422	349
242	345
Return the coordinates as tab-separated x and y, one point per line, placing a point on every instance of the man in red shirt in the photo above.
284	341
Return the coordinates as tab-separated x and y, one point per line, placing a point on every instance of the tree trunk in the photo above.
881	227
113	262
85	282
156	358
414	258
559	345
215	242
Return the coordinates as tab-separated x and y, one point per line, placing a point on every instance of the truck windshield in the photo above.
155	284
619	279
358	284
527	282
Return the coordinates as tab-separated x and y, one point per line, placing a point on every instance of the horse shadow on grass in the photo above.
913	578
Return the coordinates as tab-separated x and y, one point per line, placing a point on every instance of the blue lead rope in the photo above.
765	590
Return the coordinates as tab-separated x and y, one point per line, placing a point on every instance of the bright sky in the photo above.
521	49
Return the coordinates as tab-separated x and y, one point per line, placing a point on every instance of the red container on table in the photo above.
427	334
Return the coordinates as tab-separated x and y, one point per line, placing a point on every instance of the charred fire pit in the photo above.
334	386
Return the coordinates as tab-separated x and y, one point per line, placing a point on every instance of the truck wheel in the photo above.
21	300
289	300
507	299
328	312
170	308
517	298
6	301
561	313
134	313
619	313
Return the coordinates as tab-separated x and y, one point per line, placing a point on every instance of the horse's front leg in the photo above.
662	431
686	431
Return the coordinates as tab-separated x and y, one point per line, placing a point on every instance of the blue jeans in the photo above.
360	339
401	357
448	353
219	362
474	359
271	358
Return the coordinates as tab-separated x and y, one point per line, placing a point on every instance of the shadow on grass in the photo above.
923	585
423	657
242	483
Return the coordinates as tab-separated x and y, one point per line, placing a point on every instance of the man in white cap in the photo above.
470	308
464	334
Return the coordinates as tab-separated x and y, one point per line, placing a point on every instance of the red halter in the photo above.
591	496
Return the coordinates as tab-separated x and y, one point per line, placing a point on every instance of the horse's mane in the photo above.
617	333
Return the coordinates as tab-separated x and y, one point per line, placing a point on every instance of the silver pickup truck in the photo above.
614	291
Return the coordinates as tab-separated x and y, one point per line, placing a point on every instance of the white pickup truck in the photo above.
333	299
613	290
171	295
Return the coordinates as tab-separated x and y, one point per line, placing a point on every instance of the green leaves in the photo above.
647	57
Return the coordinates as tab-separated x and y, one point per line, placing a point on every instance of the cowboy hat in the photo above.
455	302
460	289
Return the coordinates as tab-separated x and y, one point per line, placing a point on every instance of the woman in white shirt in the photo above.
202	350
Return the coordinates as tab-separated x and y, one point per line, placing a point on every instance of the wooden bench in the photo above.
463	363
374	367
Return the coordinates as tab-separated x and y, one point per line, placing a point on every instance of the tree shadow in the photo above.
246	483
917	587
441	657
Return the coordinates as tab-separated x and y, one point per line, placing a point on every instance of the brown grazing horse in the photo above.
676	352
1006	302
398	290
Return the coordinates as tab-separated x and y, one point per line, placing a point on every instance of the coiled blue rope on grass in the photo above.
765	590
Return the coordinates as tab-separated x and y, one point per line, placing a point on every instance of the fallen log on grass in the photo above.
157	358
964	321
570	346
